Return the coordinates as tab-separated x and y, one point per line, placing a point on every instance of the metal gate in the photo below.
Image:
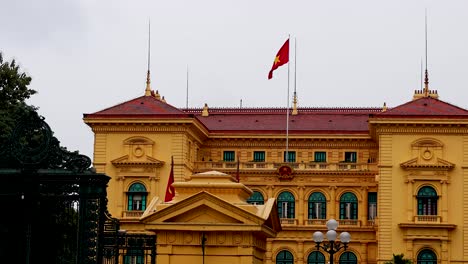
120	247
53	204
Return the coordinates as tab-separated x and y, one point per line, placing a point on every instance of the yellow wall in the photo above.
386	147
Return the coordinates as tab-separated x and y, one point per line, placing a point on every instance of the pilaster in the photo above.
385	205
465	196
301	201
332	202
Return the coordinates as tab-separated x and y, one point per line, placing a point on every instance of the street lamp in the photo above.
332	246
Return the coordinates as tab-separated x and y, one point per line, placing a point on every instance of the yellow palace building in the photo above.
395	178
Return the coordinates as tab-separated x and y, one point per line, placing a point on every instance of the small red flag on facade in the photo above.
282	57
170	190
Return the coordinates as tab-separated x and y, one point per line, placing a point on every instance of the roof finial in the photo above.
205	110
426	74
384	108
148	80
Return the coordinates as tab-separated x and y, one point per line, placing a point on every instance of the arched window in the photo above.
348	206
348	258
286	205
137	197
316	257
317	206
427	201
427	256
256	198
284	257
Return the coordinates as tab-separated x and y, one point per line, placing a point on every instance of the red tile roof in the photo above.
141	106
426	107
273	120
263	120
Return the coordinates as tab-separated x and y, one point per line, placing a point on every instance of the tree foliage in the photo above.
399	259
13	93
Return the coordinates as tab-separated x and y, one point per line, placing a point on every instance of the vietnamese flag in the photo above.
282	57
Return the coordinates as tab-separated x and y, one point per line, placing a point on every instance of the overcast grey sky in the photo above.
86	55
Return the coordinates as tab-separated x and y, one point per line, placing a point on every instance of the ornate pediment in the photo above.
436	164
204	210
427	153
145	161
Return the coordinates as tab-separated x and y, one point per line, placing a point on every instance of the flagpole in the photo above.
186	98
287	106
295	65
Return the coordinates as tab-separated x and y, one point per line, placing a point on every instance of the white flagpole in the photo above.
287	104
186	98
295	65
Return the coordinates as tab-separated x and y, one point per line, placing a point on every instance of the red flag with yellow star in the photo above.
282	57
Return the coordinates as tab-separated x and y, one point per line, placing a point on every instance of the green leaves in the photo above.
13	93
13	84
399	259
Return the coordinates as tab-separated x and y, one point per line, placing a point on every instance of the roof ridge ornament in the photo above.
205	110
148	79
294	110
426	75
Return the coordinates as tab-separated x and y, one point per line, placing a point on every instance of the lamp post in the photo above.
332	246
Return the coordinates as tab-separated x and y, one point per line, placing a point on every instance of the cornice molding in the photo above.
420	129
279	143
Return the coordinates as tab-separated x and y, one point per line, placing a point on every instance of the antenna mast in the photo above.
426	78
186	98
148	81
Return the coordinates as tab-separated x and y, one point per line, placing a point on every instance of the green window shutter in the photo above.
130	202
348	258
259	156
136	192
371	205
284	257
286	205
348	206
143	203
350	157
291	156
316	257
229	156
317	206
320	156
256	198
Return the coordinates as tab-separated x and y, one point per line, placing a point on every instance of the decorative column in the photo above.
301	205
268	252
121	202
300	252
153	187
410	201
444	201
270	191
365	205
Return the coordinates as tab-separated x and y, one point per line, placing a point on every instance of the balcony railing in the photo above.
427	219
300	166
132	214
349	222
288	221
320	222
